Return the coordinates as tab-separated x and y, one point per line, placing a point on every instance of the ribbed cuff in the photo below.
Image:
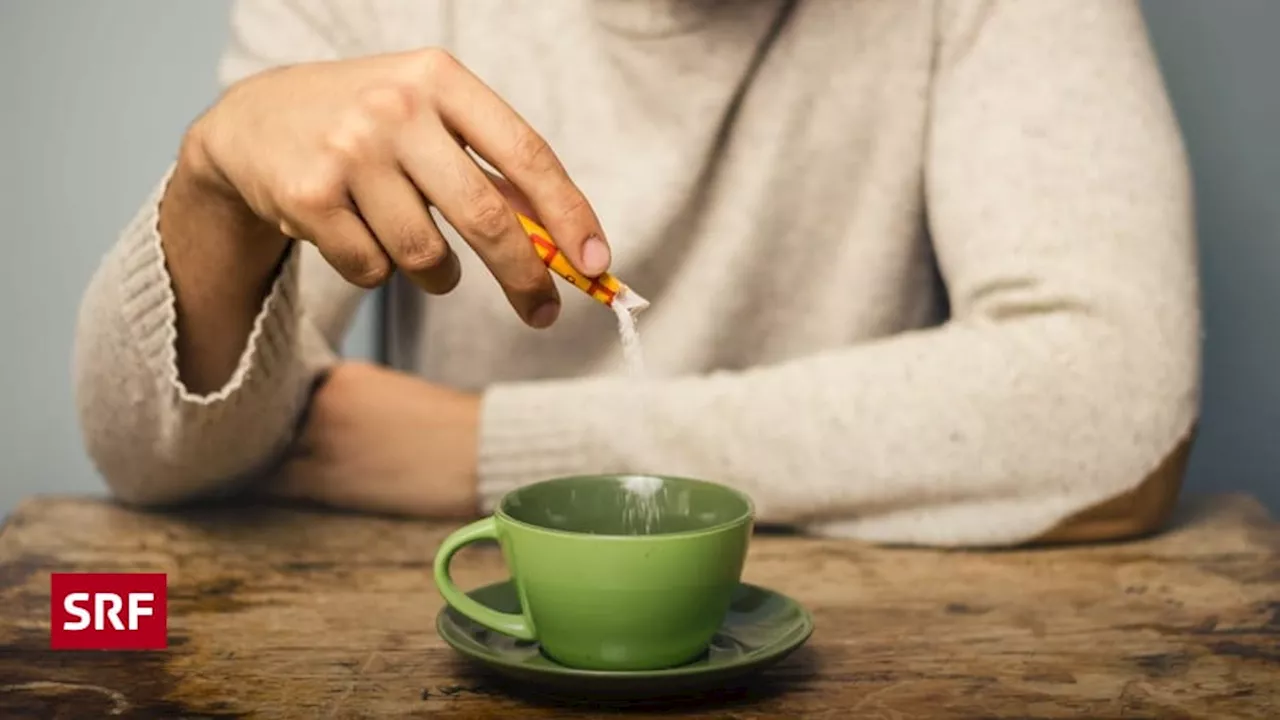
271	352
251	417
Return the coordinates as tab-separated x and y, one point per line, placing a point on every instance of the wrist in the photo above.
383	441
201	203
197	168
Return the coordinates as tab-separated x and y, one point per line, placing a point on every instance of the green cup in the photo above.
613	572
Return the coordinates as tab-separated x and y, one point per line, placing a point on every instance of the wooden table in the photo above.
286	613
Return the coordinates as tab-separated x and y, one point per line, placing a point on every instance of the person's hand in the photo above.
349	154
381	441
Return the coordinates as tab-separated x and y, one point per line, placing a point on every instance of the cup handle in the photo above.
517	626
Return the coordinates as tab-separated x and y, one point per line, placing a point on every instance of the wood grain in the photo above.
278	612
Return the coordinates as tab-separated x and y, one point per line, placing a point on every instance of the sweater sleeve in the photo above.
1060	208
153	440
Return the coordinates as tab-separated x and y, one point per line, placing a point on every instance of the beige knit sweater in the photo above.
922	271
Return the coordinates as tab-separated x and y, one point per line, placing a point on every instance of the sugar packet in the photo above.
606	289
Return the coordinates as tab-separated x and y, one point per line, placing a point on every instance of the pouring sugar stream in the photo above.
643	492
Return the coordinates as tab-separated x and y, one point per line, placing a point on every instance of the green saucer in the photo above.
761	628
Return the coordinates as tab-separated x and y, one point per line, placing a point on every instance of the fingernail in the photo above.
545	314
595	256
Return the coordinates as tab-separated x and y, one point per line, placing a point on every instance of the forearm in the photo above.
153	438
221	260
202	331
970	434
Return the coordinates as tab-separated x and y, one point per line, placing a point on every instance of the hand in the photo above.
348	154
381	441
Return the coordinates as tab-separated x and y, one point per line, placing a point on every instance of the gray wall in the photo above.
94	96
1222	64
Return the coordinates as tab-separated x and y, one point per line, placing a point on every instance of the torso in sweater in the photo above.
791	183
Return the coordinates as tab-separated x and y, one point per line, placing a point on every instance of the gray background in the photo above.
94	96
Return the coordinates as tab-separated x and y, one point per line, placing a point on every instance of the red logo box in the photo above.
108	611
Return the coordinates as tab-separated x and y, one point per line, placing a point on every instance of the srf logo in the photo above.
108	611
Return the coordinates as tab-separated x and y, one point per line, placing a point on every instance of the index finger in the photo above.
491	127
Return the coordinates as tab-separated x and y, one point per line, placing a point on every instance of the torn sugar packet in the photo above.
606	289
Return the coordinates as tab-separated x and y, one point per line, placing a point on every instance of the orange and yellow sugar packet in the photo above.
606	289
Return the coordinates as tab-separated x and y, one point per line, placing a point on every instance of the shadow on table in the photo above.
791	678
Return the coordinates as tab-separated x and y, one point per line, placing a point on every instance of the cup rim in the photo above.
745	517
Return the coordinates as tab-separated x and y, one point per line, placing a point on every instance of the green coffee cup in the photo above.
613	572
